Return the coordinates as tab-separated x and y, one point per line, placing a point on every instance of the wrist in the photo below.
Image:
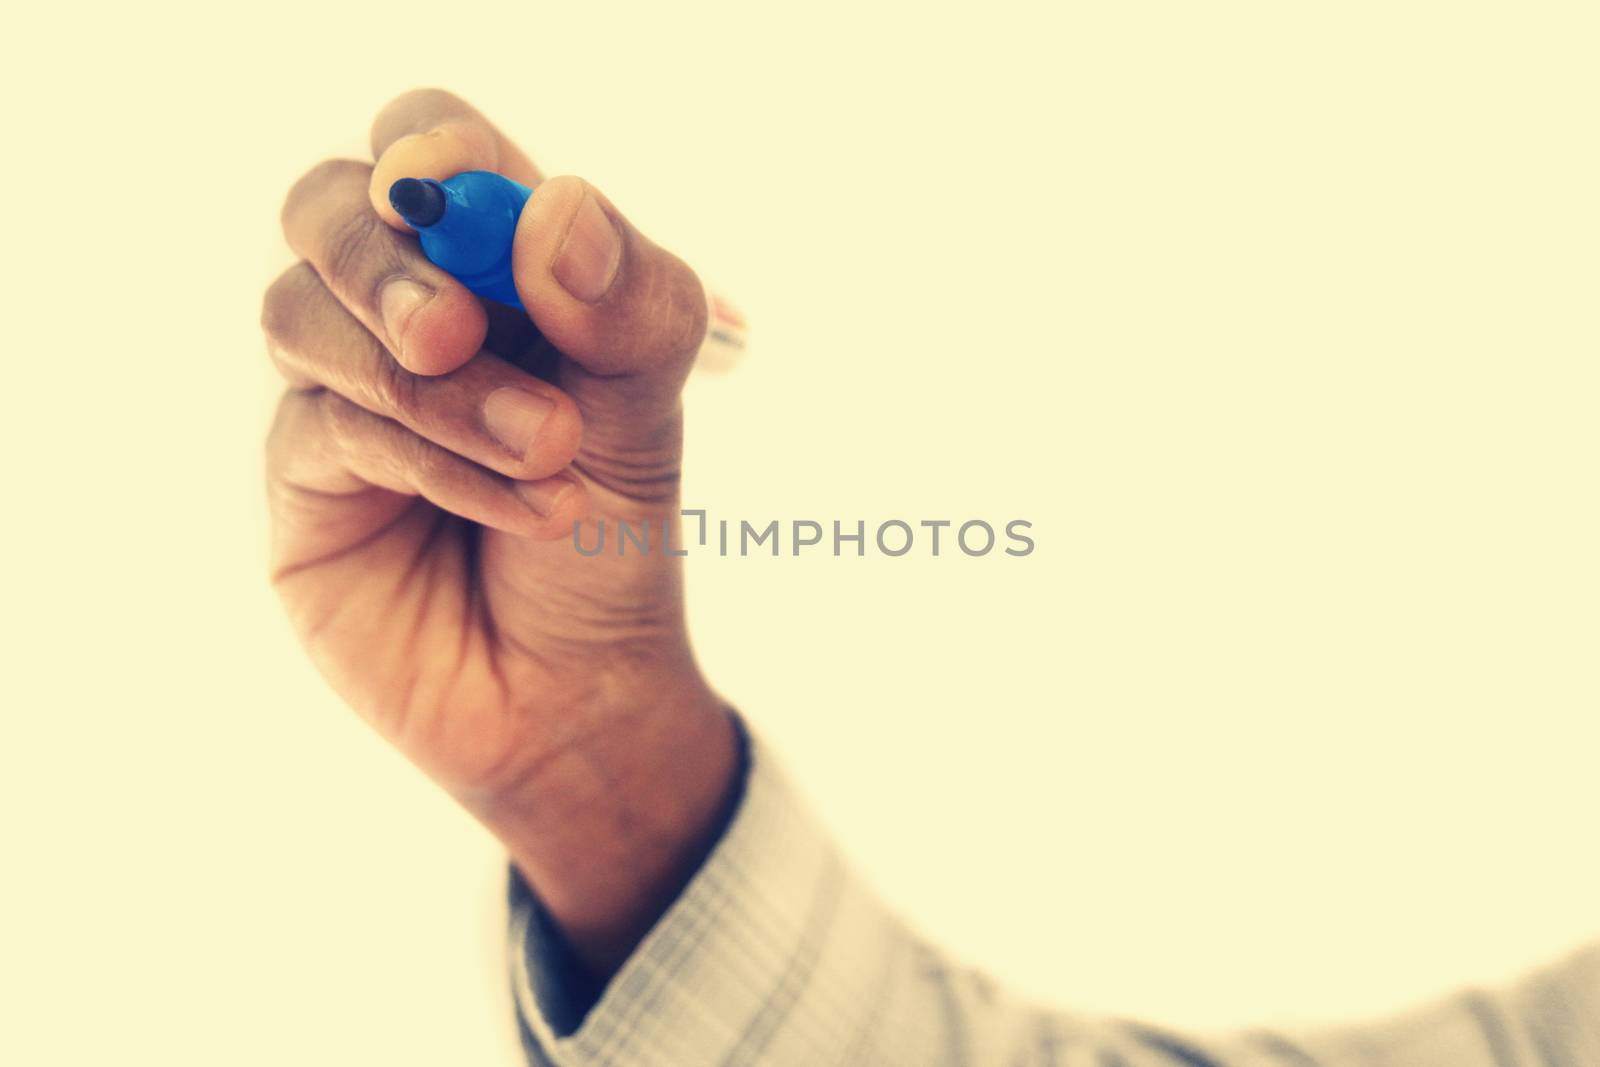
611	825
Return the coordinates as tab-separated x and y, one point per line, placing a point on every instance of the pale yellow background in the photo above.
1277	320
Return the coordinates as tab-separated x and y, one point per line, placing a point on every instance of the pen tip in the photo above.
419	201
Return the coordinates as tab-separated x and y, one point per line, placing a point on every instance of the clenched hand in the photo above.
425	469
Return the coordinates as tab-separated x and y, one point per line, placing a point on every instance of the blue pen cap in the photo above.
466	224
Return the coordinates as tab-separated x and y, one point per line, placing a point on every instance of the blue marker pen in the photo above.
466	224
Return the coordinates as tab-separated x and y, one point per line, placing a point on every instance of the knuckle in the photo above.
283	304
418	104
293	428
429	98
286	370
316	182
682	313
697	317
348	243
396	390
285	307
340	421
283	419
428	465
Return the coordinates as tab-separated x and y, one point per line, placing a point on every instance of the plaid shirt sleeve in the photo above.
775	954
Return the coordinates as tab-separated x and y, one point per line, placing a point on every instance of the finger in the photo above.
629	314
429	133
327	457
487	410
428	320
601	291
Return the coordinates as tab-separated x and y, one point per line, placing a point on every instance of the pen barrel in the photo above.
474	237
496	283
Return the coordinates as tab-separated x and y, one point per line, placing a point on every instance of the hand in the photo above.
425	470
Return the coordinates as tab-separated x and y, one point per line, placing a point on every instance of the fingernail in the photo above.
513	417
588	260
400	299
544	496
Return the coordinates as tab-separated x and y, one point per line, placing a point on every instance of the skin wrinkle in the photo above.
420	560
393	267
611	633
290	571
661	296
509	792
395	389
646	487
610	611
282	315
688	309
285	318
477	607
315	630
351	238
421	563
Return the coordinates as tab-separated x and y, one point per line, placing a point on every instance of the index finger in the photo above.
429	133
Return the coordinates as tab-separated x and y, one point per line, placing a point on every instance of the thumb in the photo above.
628	316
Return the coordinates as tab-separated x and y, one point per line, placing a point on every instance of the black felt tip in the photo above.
419	201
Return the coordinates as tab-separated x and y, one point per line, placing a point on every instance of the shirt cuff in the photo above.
771	949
